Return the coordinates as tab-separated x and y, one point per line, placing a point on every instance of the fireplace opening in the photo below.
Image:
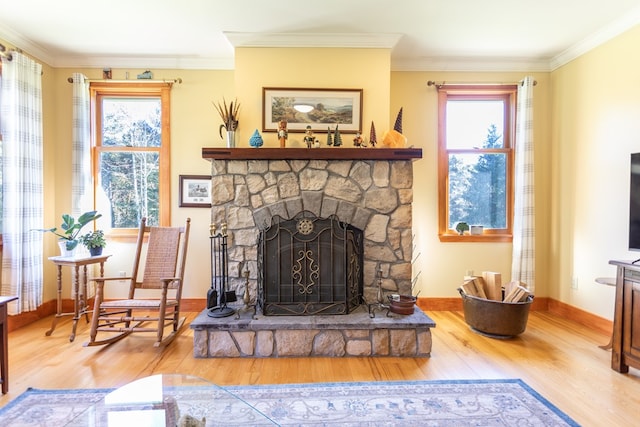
309	266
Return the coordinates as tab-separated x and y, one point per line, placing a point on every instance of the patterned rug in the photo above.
409	403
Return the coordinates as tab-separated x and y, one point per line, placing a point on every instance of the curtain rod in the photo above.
439	85
4	54
176	80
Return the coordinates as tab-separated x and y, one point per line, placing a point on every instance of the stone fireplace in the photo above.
366	191
370	189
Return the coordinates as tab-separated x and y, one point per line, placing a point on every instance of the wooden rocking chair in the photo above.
166	250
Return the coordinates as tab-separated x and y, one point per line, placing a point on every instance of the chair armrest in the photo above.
108	279
166	280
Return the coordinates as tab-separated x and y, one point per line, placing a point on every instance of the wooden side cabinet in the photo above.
626	320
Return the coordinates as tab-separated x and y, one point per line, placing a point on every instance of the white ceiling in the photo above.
441	35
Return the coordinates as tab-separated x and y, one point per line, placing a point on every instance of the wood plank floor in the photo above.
558	358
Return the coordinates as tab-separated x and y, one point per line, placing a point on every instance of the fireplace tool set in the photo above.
379	304
218	295
246	298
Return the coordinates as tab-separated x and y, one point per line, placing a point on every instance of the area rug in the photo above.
456	403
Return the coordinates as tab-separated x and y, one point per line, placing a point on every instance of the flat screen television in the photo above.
634	203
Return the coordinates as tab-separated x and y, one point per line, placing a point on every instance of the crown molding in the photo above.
142	62
336	40
339	40
27	46
470	64
95	61
617	27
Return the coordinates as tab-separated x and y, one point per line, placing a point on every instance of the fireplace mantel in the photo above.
213	153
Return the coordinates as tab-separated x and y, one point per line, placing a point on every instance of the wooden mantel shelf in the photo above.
212	153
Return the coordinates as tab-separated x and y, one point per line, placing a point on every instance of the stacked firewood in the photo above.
489	286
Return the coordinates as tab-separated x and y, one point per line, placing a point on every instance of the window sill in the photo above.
479	238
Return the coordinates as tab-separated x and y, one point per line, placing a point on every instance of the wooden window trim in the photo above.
479	92
98	90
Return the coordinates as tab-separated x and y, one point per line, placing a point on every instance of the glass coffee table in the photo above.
162	400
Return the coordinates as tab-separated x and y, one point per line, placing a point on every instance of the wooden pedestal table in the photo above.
608	281
80	307
4	350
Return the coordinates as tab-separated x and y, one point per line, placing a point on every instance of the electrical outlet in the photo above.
574	282
122	274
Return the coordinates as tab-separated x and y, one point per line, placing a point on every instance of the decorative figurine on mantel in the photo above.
309	139
337	139
373	139
256	139
394	138
358	141
329	140
282	133
147	75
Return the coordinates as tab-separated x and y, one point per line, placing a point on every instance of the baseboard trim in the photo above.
570	312
559	308
426	304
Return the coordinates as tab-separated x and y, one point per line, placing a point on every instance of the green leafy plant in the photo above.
93	239
229	115
70	228
461	227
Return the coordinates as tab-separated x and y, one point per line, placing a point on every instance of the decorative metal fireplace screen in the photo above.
309	265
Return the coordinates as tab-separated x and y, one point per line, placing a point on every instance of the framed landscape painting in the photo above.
321	109
195	191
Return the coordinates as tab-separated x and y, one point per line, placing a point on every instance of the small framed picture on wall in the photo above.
195	191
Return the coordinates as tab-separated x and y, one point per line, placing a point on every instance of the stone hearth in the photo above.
350	335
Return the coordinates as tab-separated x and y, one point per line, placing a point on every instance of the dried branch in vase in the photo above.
229	115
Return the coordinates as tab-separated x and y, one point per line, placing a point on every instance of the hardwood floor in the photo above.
558	358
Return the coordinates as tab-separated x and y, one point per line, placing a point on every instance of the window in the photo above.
131	153
475	161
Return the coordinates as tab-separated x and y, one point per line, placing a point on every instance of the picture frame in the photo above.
329	107
195	191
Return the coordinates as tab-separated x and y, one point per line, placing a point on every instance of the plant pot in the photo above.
64	252
95	251
403	304
231	139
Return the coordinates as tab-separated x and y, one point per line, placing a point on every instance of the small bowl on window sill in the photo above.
476	230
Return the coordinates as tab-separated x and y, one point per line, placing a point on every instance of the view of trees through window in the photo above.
477	186
129	160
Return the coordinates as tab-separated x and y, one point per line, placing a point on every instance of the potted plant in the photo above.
461	227
94	241
70	229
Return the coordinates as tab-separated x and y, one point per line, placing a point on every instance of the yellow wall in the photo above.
586	124
255	68
194	124
442	265
596	125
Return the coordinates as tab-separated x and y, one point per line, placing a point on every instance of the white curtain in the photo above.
80	155
22	191
524	239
